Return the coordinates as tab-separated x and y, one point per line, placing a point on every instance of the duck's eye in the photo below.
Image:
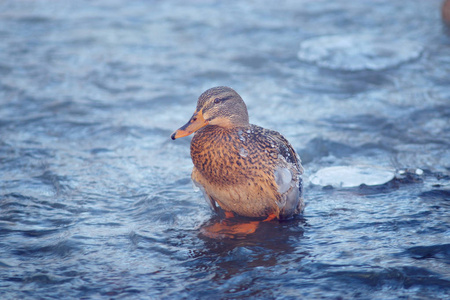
217	100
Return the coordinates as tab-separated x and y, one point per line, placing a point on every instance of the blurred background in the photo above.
96	200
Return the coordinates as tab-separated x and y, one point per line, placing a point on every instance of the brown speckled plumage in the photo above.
244	168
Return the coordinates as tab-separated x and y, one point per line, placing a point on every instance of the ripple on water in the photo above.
357	52
407	277
439	197
434	251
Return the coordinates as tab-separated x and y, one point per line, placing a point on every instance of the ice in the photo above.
352	176
356	52
241	137
283	178
243	152
196	186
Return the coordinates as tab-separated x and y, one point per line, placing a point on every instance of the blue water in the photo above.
96	200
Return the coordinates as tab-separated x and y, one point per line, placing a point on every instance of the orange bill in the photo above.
195	123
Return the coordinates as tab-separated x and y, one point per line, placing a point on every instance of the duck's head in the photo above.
220	106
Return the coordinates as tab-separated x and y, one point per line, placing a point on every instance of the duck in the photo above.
242	169
445	12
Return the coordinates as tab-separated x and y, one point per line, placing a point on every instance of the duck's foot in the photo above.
232	227
270	218
229	228
229	214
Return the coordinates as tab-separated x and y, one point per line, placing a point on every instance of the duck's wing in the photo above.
285	149
288	176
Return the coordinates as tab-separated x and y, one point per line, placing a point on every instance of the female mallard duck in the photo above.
244	168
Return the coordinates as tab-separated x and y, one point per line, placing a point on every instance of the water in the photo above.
96	200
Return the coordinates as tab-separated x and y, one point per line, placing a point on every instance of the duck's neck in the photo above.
221	130
230	123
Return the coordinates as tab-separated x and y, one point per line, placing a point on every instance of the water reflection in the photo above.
270	242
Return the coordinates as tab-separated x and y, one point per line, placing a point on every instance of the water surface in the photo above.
96	200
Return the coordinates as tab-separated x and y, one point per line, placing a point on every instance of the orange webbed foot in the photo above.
270	218
227	229
233	227
229	214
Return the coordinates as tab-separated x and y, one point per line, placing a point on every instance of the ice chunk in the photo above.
243	152
352	176
241	137
283	178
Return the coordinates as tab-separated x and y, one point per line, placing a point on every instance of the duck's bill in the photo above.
195	123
